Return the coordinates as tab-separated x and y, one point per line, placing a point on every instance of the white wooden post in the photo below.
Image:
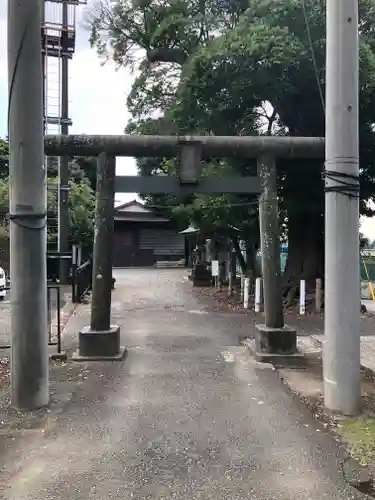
242	285
246	293
229	277
215	271
258	295
79	255
302	297
75	255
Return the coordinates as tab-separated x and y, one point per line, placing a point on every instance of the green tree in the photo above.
82	212
4	232
80	168
268	58
166	52
83	168
81	199
81	209
238	68
4	158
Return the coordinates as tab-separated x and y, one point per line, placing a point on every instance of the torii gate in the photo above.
28	209
274	339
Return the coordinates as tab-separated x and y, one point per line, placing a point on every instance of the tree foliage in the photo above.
240	68
81	196
4	158
81	208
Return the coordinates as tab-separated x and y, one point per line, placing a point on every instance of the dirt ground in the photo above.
4	371
311	323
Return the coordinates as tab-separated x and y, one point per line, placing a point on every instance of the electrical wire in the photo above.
343	183
19	218
312	51
12	80
346	184
254	203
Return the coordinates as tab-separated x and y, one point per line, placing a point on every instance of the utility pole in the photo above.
27	186
101	340
63	211
341	360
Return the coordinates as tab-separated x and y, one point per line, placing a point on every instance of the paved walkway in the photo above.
367	350
188	415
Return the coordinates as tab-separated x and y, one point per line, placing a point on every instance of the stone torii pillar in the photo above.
101	340
274	341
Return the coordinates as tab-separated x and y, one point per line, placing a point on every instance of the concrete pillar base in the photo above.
277	346
58	356
201	276
97	345
276	340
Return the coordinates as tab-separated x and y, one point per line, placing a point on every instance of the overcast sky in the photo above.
98	98
97	93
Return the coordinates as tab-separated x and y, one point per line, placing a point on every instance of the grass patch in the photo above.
359	435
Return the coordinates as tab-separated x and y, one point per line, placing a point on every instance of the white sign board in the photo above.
215	268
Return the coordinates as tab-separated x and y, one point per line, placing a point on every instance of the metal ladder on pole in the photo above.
58	41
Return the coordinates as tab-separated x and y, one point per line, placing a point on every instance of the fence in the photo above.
283	258
367	274
53	315
53	264
81	281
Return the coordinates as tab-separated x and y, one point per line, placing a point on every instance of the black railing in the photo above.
54	319
81	281
53	264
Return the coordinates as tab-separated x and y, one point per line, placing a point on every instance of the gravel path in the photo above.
187	415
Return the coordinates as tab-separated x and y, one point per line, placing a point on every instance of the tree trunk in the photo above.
239	255
302	189
249	266
251	260
305	253
164	54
